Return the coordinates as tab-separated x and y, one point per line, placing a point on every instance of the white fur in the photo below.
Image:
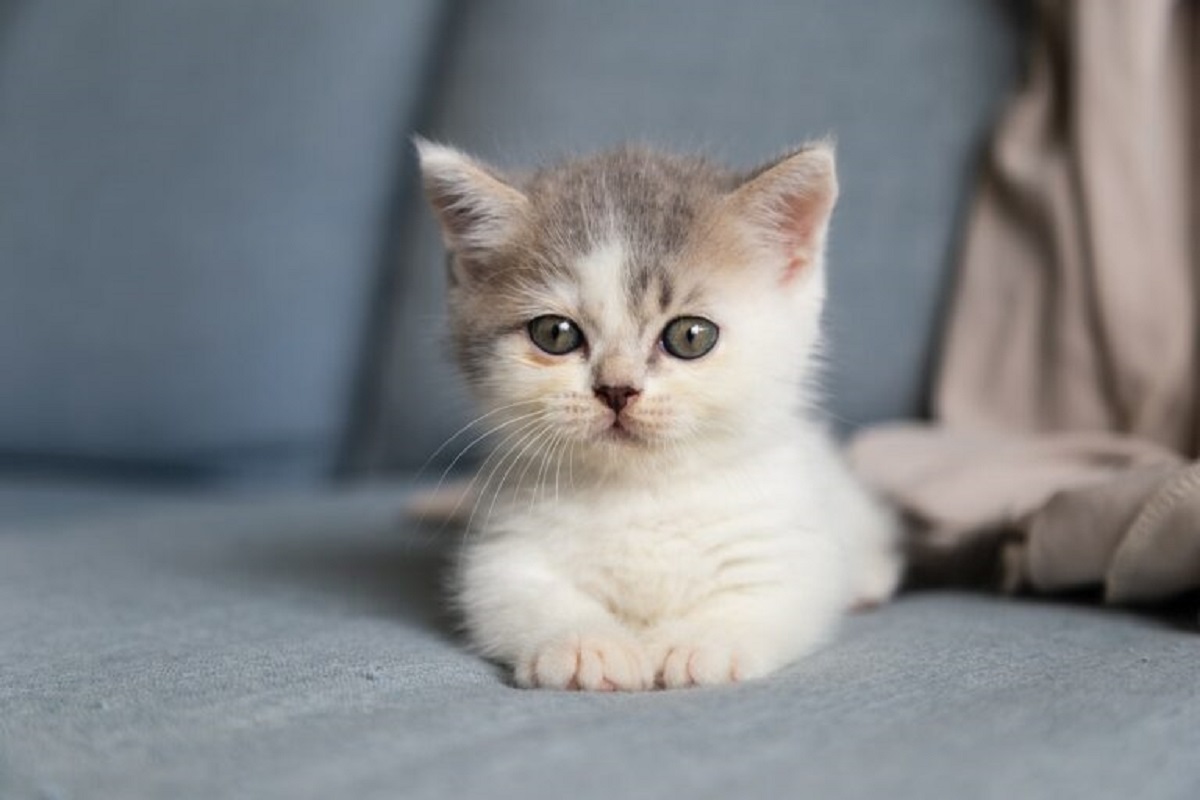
721	549
720	536
697	577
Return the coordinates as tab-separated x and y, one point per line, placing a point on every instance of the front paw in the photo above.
708	664
603	661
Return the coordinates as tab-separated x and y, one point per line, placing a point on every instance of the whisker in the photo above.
540	456
508	437
504	452
558	469
521	480
521	433
524	447
467	427
480	438
545	454
571	463
517	452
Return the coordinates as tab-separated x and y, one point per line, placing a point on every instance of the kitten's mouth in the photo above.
618	432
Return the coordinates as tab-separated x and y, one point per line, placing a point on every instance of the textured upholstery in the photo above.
194	201
908	93
293	647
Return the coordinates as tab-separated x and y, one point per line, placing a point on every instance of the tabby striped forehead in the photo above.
613	289
615	228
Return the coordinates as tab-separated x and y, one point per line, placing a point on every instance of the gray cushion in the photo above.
28	499
908	93
291	646
195	198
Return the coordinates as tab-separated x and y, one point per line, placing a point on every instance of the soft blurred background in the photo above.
216	269
221	370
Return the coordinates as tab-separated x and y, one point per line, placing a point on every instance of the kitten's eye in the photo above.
689	337
556	335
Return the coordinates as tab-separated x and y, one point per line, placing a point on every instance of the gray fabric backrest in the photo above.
193	199
909	90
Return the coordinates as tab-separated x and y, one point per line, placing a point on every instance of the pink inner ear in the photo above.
797	226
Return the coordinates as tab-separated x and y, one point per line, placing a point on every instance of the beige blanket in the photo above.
1067	405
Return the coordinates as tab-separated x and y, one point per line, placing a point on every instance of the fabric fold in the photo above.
1067	401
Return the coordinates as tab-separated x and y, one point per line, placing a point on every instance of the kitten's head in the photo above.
633	303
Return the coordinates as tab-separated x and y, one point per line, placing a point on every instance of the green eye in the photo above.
689	337
556	335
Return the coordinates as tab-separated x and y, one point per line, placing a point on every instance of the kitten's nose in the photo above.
616	397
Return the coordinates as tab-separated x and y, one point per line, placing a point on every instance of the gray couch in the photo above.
219	374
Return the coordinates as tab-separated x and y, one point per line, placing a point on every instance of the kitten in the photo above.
661	510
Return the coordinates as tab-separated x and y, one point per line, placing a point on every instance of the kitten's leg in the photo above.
879	575
872	534
745	631
736	641
871	530
521	612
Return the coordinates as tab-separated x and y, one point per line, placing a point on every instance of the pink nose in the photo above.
616	397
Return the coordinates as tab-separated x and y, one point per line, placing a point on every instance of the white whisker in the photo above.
503	451
498	449
524	446
571	464
558	469
546	454
479	439
521	479
467	427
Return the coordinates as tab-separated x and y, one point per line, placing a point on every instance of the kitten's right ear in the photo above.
789	202
477	210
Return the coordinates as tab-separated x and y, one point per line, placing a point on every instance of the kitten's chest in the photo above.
654	562
642	580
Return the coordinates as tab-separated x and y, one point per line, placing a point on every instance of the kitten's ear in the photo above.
788	204
477	210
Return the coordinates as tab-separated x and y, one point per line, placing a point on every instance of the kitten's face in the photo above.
633	303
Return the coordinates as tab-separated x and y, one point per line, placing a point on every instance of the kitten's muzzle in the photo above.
616	397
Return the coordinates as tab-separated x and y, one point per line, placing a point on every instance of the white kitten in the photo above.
659	509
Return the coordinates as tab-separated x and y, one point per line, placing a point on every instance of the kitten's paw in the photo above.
708	664
602	662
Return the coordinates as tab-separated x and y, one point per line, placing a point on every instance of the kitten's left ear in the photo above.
788	204
477	209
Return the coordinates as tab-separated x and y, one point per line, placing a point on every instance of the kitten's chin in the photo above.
619	434
628	435
613	444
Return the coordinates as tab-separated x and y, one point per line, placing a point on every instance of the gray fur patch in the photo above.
650	201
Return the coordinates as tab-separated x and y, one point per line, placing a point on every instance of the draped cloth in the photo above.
1066	406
